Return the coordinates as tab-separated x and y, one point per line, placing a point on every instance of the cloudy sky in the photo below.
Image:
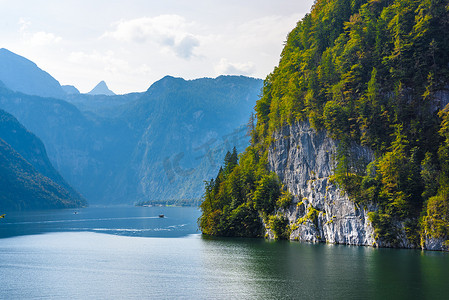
130	44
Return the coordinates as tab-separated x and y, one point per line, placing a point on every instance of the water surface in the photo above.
121	257
117	220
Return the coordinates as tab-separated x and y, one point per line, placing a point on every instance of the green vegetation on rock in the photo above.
374	73
242	195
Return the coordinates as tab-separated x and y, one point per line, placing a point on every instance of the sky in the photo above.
131	44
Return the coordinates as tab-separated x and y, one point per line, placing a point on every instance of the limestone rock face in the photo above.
304	160
436	244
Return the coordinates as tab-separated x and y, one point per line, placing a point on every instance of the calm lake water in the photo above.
131	253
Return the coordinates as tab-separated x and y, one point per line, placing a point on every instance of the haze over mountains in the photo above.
28	179
22	75
70	90
161	144
101	89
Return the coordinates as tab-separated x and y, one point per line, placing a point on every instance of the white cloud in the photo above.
185	47
272	25
24	24
143	29
142	41
228	68
274	28
248	48
43	38
169	31
105	60
40	38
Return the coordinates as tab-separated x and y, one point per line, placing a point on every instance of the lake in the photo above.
131	253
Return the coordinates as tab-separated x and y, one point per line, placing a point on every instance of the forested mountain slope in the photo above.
32	150
371	74
28	180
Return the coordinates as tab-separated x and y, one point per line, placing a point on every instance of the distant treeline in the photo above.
170	202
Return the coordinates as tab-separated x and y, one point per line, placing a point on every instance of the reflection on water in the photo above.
130	263
284	270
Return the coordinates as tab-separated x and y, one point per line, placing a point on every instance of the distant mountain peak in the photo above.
22	75
6	51
101	89
70	90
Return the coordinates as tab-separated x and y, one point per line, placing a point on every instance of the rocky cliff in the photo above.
304	160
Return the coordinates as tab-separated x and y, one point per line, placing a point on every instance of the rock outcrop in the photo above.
304	161
436	244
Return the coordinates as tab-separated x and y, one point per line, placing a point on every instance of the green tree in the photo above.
267	193
369	73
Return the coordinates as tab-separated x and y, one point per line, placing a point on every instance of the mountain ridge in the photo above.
22	75
31	149
100	144
28	179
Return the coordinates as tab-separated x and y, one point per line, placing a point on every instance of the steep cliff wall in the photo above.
304	160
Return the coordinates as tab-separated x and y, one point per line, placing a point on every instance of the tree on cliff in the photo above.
369	72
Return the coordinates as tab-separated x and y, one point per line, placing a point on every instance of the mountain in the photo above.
101	89
28	179
22	75
183	128
102	105
351	143
24	188
70	90
32	150
161	144
73	141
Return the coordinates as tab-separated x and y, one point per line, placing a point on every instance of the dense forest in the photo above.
375	73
